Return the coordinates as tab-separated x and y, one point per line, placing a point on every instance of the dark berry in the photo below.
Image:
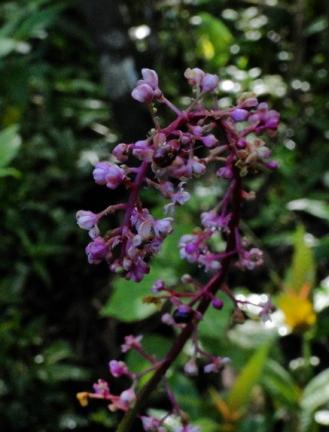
183	314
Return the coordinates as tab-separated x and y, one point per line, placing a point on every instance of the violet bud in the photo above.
131	342
120	151
225	172
194	76
163	227
168	319
217	303
239	114
242	143
100	172
198	168
273	165
118	368
210	141
114	177
209	83
158	286
101	388
191	367
86	219
142	150
250	102
197	130
96	250
109	174
151	424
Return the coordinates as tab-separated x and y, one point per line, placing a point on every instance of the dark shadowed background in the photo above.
66	72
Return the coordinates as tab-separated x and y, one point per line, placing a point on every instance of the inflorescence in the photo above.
226	139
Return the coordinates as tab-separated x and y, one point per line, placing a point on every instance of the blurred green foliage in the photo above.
61	319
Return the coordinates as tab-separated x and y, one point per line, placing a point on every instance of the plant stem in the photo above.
212	286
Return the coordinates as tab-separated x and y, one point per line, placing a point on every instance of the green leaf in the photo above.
302	269
152	344
214	39
38	21
239	395
186	395
215	322
7	45
280	384
10	143
316	393
10	172
314	207
126	301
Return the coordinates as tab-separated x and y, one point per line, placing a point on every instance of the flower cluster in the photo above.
169	157
231	141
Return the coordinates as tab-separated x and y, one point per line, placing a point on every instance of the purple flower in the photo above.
151	424
194	76
86	219
198	167
163	227
209	261
143	93
273	165
252	259
188	428
142	150
120	151
239	114
109	174
209	83
150	77
131	342
102	388
190	247
118	368
138	270
96	250
191	367
158	286
216	365
147	89
124	401
168	319
225	172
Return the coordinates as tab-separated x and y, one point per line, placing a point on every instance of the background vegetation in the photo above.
67	68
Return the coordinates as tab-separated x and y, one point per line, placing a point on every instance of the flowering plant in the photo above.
200	137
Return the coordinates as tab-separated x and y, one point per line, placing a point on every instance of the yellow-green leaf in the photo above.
302	271
239	396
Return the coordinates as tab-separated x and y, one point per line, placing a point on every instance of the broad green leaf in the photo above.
214	39
280	384
314	207
10	142
302	271
250	375
316	393
126	301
